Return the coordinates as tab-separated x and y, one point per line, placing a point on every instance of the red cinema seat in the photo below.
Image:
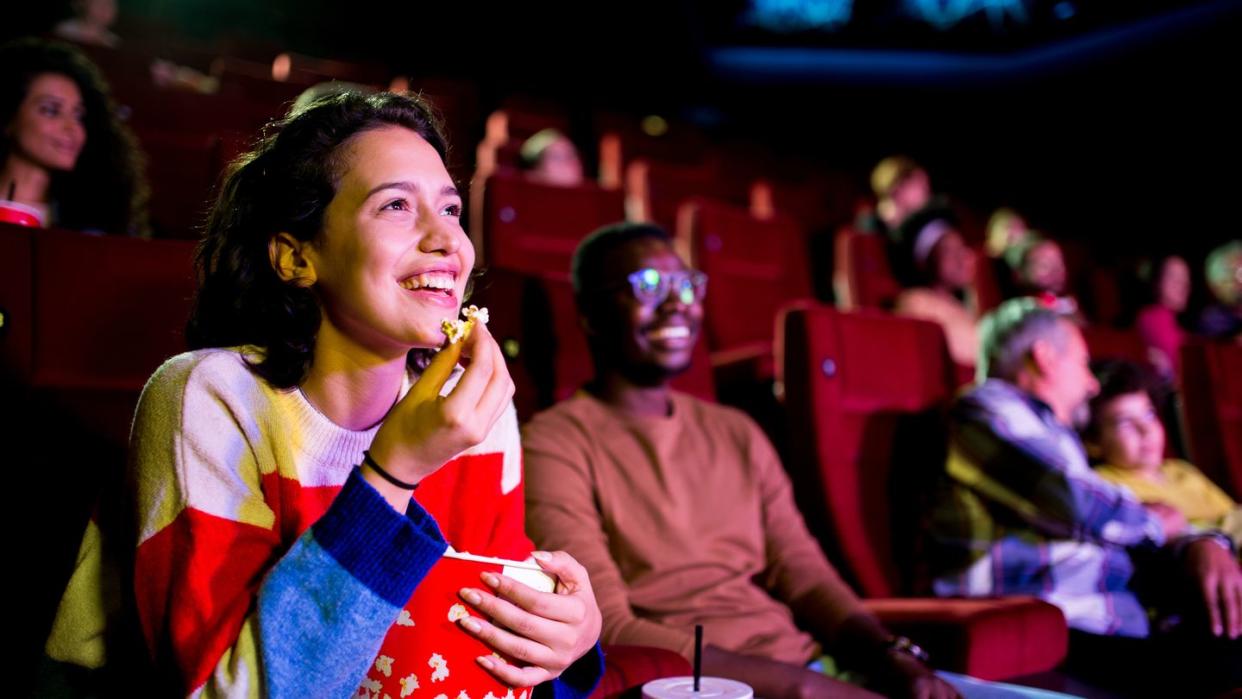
862	273
1211	380
655	190
865	393
754	266
534	228
182	168
628	668
1111	343
16	303
108	310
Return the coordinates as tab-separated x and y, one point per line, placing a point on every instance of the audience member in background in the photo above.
1037	267
64	152
680	509
901	187
549	157
1024	513
90	23
1125	435
939	269
1006	229
1222	320
1167	281
277	540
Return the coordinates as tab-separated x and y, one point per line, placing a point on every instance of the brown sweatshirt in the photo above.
679	520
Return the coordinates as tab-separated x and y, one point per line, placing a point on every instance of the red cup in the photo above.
428	651
20	214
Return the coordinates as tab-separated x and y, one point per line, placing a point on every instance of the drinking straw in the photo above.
698	655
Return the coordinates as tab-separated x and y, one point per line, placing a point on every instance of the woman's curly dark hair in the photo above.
284	184
107	189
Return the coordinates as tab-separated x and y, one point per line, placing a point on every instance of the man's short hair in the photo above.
891	172
587	268
1007	334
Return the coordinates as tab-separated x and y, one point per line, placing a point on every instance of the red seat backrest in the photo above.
1111	343
862	263
108	310
534	228
662	188
755	267
854	384
16	304
1211	381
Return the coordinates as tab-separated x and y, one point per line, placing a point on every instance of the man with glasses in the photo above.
680	509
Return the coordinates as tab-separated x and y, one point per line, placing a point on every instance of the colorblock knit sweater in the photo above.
265	565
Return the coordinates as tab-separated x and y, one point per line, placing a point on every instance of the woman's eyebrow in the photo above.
406	186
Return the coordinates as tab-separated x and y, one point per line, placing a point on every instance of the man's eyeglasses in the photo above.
651	286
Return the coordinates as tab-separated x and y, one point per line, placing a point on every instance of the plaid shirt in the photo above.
1025	514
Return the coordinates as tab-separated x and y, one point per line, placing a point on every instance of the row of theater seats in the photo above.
87	319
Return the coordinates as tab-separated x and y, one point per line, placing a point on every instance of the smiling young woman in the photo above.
277	538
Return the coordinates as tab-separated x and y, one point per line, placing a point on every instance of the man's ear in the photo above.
288	257
1043	353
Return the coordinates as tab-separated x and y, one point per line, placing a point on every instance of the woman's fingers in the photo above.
512	675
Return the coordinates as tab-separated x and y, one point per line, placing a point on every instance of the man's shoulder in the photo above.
1003	407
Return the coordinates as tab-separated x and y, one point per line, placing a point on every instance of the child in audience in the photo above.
1126	436
64	151
272	469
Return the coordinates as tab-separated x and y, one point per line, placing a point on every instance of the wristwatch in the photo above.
901	644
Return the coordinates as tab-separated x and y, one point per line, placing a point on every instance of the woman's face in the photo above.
559	164
48	129
1045	268
1173	290
392	261
954	261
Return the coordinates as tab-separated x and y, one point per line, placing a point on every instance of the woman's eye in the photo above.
453	210
396	205
49	109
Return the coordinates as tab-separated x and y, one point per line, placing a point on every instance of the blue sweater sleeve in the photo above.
325	607
578	680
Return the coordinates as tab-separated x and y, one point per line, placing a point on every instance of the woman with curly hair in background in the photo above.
65	152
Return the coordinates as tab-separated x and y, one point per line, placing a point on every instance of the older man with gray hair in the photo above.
1023	513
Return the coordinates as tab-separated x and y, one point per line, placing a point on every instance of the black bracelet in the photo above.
369	461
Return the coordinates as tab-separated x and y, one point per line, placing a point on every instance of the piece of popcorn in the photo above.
384	665
404	619
457	611
441	696
408	683
455	330
522	695
439	666
371	685
463	695
479	315
489	695
509	694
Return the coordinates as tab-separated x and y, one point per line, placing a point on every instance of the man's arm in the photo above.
1003	452
561	515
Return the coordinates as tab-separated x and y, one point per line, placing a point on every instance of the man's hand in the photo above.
1220	581
545	632
906	676
1172	518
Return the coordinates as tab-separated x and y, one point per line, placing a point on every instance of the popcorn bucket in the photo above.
427	654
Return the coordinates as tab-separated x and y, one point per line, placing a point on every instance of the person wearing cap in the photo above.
939	268
1023	513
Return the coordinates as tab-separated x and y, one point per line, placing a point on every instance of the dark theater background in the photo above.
1115	127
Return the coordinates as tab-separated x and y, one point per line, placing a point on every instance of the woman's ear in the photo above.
288	258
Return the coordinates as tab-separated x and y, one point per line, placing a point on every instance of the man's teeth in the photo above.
669	332
440	281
